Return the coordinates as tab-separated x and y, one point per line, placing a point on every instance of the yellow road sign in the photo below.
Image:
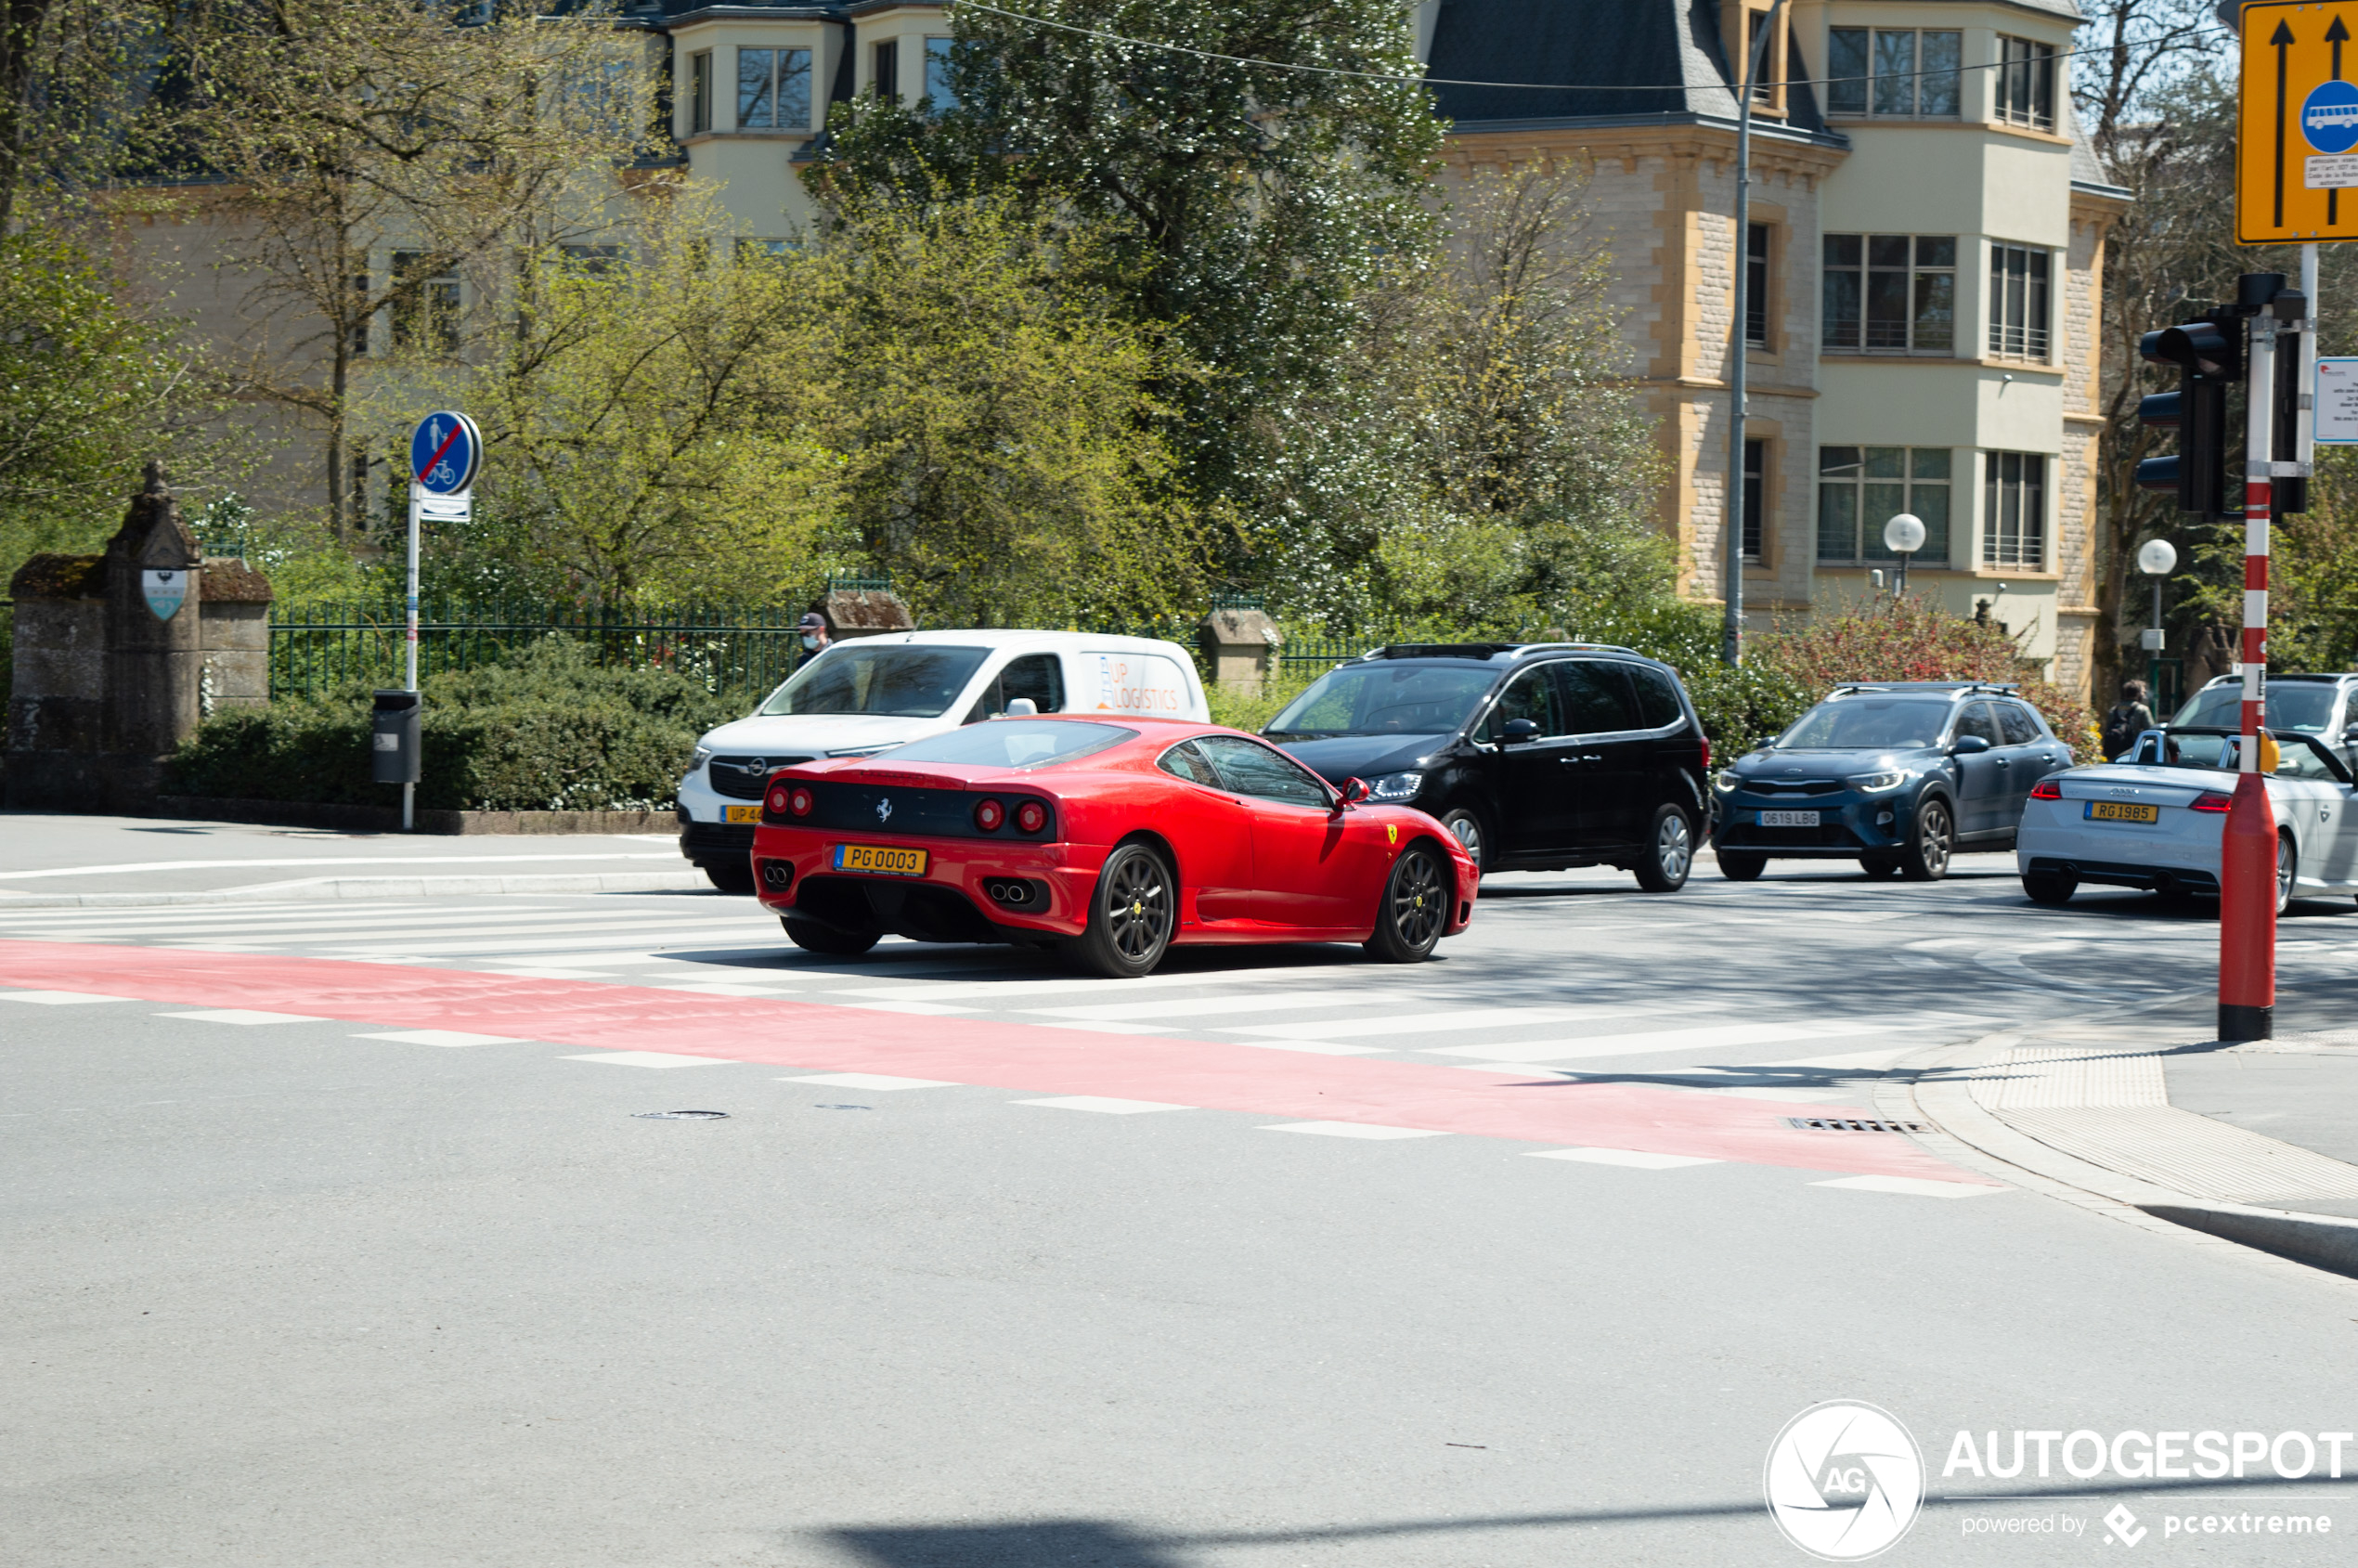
2297	123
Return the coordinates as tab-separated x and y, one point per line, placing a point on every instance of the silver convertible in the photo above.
2152	820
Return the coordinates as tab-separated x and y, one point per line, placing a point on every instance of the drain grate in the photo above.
1853	1124
682	1115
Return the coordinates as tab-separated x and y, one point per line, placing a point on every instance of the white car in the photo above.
871	693
2152	820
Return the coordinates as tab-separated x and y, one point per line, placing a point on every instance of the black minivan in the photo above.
1538	756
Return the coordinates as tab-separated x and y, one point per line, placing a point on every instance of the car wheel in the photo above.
1926	857
811	937
1131	915
1737	865
730	878
1414	908
2287	864
1464	825
1879	867
1670	851
2047	887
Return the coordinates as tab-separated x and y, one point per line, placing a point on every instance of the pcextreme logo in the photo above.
1844	1481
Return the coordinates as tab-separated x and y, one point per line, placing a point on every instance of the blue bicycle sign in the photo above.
444	452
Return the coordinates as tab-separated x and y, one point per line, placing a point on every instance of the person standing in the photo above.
814	634
2128	719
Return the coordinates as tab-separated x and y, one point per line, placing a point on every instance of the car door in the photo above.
1604	768
1298	870
2022	759
1534	797
1211	828
1981	790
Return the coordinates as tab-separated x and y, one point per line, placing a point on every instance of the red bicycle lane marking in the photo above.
983	1052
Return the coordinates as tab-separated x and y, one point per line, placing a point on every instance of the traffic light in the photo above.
2207	354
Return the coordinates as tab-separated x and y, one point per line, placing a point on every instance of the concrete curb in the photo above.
325	888
1934	1090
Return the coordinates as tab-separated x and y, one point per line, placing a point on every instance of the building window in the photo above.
357	342
1755	494
1756	285
1901	74
425	309
939	96
592	261
1891	293
699	93
2027	82
886	79
2013	509
773	89
1860	488
2018	302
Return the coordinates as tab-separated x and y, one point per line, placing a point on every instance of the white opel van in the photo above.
871	693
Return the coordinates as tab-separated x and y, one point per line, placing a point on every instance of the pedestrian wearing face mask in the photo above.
814	634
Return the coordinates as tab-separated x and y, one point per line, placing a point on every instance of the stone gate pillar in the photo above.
155	644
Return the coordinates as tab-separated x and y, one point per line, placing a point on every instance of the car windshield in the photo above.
2301	706
2215	750
1386	699
1014	743
1867	723
903	680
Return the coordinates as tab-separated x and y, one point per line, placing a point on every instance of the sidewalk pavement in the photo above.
2256	1144
65	861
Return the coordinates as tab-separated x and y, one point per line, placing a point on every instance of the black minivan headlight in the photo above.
1395	786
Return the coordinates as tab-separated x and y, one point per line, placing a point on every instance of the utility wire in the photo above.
1513	86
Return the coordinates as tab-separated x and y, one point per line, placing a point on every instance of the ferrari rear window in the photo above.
1015	743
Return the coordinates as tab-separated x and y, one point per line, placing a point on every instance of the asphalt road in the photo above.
1250	1263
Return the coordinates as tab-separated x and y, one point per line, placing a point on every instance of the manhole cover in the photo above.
682	1115
1853	1124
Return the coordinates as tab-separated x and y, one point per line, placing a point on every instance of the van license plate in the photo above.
881	861
2121	812
741	813
1788	818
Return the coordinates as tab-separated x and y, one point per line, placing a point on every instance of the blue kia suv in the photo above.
1899	776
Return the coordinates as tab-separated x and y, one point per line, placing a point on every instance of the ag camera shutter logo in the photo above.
1844	1481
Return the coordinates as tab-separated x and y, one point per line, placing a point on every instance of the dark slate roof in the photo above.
1583	49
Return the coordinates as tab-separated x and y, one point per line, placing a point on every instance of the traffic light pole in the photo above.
2248	845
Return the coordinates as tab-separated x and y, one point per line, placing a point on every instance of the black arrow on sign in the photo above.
2280	41
2337	35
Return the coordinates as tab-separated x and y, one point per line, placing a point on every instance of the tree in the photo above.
75	75
338	128
1257	207
994	415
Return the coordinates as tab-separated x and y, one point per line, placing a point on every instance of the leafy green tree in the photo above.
994	415
1258	206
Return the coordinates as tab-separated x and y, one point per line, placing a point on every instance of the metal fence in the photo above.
1309	656
313	648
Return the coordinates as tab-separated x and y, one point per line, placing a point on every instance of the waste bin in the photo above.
393	737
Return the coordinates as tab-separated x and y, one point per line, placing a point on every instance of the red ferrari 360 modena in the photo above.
1112	840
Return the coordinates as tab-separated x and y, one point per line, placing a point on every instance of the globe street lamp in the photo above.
2156	558
1903	536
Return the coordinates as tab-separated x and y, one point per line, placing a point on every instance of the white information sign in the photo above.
2334	172
2338	401
447	509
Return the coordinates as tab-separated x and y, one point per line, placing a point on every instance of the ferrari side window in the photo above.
1185	761
1253	768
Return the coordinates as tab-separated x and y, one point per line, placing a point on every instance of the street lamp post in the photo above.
1731	648
2156	558
1903	536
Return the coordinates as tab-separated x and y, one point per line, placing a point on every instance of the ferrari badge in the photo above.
1391	833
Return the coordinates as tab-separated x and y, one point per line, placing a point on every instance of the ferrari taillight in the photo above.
777	803
1031	816
990	815
2046	789
2211	800
800	802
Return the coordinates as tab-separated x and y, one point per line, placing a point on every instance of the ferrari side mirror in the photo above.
1353	791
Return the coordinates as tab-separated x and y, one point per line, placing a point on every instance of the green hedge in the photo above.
550	731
